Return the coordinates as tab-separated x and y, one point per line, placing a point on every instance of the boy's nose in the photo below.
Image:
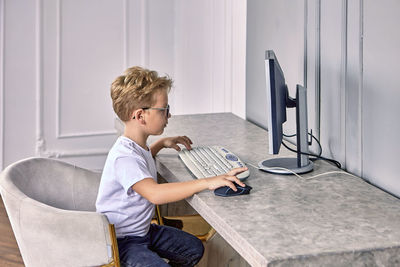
169	115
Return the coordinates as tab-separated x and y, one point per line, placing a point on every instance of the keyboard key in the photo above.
211	161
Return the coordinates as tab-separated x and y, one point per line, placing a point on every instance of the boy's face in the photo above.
157	120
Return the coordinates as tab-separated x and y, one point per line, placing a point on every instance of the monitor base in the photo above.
275	165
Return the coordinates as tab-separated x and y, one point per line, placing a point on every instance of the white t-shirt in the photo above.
127	163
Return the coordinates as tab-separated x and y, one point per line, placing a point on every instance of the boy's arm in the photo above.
170	192
170	142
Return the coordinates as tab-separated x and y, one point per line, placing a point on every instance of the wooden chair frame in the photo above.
114	245
160	221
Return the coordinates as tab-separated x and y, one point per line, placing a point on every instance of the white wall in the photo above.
58	58
350	64
285	35
381	93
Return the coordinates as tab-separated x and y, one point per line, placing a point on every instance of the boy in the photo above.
129	190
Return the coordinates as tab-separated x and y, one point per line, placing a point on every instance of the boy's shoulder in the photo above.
123	153
124	147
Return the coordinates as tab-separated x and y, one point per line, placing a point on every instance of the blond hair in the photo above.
135	89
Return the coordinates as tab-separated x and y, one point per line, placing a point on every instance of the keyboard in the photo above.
208	161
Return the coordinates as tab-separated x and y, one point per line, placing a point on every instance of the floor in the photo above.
9	252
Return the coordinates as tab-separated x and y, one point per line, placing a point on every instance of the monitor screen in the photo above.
277	93
277	101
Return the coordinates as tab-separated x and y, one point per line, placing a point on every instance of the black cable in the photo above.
337	163
312	136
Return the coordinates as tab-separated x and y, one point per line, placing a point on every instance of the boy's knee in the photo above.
194	251
201	247
198	251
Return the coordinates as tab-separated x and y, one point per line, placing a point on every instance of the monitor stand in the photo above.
282	165
301	164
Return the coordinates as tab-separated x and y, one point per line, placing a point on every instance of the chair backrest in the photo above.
51	207
55	183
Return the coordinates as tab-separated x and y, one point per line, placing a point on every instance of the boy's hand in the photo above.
226	179
172	142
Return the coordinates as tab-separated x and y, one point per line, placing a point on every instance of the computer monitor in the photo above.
278	100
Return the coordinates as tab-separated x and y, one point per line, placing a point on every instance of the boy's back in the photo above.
126	164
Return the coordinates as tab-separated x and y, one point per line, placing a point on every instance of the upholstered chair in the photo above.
51	207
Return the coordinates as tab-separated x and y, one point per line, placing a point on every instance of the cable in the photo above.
312	136
337	163
317	157
331	172
275	168
299	176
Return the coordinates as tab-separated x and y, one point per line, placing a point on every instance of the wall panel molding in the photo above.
74	153
353	83
42	135
360	88
332	80
317	80
238	55
305	57
194	42
40	143
228	55
343	84
86	134
58	67
144	33
126	33
312	50
59	134
2	90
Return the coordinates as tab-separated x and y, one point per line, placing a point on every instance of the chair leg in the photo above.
158	216
114	245
207	236
177	222
115	262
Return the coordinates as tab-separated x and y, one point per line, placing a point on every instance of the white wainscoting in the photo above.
69	52
77	61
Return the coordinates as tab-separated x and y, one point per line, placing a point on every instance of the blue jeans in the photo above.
179	247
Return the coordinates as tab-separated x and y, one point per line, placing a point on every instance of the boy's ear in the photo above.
134	115
138	115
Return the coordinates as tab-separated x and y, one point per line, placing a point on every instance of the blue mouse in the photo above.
226	191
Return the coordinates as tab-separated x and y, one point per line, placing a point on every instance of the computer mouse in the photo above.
226	191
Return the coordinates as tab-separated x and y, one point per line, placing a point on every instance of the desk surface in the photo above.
333	220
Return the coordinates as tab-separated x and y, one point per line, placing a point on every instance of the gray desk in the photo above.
334	220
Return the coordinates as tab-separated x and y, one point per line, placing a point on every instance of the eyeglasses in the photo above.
166	108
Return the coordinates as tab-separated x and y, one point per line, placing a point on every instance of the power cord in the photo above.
299	176
316	157
337	163
312	136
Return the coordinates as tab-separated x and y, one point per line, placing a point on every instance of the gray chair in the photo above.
51	207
